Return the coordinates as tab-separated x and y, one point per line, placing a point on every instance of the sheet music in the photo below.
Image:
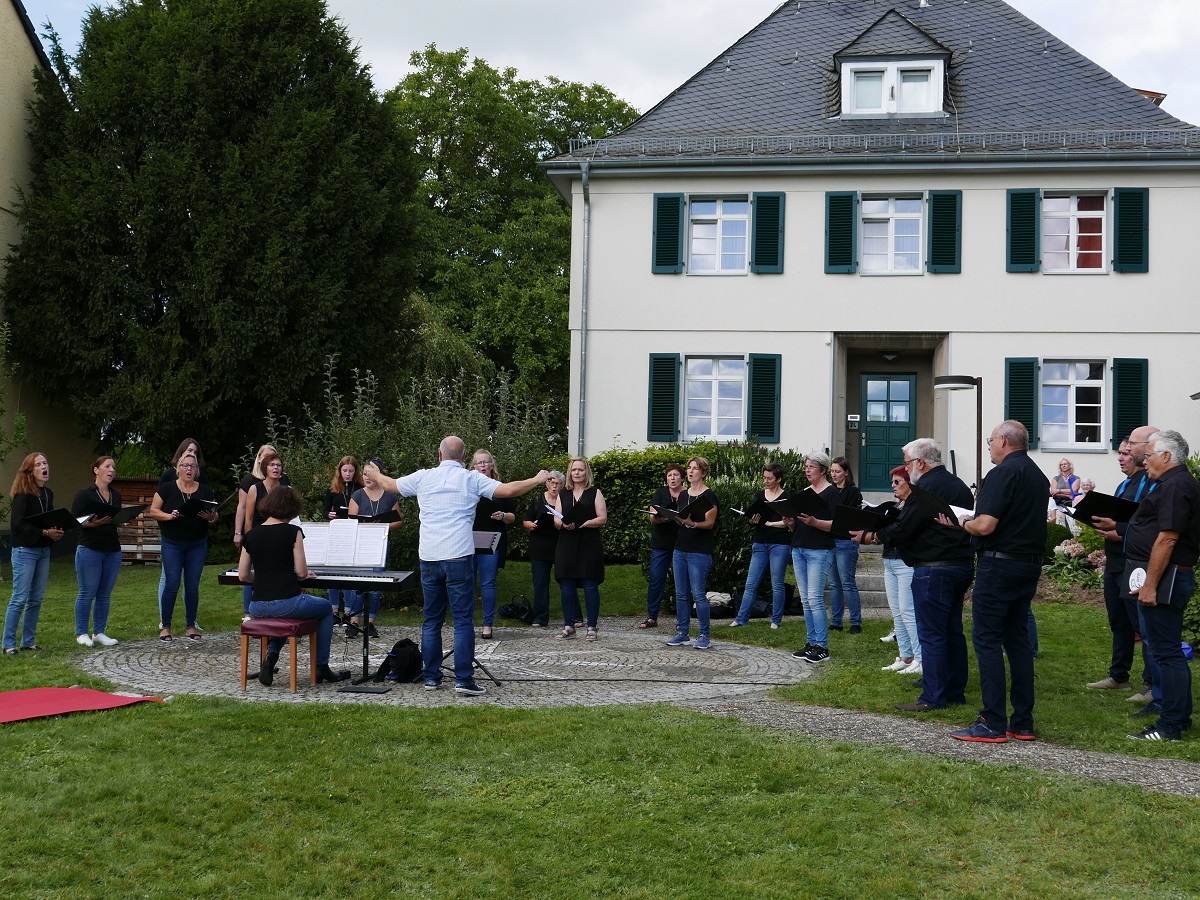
372	544
343	538
316	543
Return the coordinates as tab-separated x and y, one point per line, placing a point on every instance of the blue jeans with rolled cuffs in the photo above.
812	571
691	583
96	571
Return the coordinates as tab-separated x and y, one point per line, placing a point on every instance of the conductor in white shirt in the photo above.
447	497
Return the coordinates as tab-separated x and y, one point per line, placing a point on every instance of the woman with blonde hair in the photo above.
579	556
30	551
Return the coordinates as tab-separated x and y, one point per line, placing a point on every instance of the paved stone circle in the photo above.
535	668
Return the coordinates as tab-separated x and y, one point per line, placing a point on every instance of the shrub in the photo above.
1055	535
1074	564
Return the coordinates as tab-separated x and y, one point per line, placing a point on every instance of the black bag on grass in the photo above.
403	662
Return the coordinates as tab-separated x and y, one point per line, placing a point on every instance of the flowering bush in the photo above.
1073	564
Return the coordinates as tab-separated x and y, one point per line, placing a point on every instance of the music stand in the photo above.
475	663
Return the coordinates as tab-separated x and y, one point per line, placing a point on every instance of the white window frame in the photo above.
1072	383
1073	217
719	219
892	71
892	216
685	425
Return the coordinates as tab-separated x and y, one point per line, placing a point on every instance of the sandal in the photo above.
537	625
487	633
649	623
165	636
567	632
591	634
193	635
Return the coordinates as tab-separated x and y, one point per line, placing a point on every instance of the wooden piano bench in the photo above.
276	628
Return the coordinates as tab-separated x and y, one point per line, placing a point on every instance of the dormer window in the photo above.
875	88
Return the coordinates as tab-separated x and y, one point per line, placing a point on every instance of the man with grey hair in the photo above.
447	497
1162	544
940	557
1008	531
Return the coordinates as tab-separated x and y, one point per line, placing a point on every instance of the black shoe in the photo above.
371	632
835	627
856	629
916	706
919	684
1150	709
352	630
324	673
816	654
267	673
470	688
1154	733
802	653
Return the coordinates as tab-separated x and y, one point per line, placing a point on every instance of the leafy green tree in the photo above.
495	236
219	199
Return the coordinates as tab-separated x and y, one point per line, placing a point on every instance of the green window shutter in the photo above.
1023	242
1021	394
663	416
667	253
1130	404
945	231
841	232
762	414
766	247
1131	230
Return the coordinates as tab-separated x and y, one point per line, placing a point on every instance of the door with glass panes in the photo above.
889	421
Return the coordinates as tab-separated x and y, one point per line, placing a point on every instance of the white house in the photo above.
858	197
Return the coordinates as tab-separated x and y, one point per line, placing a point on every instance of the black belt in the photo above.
938	563
1036	558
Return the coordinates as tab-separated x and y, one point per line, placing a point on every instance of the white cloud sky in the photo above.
644	49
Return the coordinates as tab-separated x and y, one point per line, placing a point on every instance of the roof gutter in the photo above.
583	303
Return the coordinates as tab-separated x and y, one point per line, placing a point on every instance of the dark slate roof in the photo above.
1011	85
31	33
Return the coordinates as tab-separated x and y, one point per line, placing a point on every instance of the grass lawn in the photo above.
206	797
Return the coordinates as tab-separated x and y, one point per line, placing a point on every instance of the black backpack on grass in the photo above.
403	662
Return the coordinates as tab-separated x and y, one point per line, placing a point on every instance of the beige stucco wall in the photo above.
983	314
51	430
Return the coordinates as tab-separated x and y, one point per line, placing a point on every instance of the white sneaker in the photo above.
244	619
83	640
914	669
896	666
889	637
104	640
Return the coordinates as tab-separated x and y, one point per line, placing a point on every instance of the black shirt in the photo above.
102	538
662	537
185	528
338	500
1132	488
544	538
770	534
811	538
271	551
920	538
25	534
484	521
1015	494
1172	503
696	540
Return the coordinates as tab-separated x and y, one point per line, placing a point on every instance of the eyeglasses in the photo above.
896	481
188	466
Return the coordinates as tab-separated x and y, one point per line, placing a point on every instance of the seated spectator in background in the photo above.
1064	487
1060	516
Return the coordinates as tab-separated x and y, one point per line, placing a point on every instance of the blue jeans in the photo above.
938	593
96	572
486	567
691	583
183	563
897	582
30	570
452	582
842	582
812	571
356	600
1000	626
762	557
543	571
660	562
302	606
342	599
568	591
1165	626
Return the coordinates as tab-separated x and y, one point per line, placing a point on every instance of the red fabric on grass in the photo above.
35	703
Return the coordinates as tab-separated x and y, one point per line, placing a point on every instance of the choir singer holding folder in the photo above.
31	545
447	497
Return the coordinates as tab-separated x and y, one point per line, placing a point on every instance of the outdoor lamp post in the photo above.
965	383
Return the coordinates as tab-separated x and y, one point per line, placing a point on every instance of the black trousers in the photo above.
1123	622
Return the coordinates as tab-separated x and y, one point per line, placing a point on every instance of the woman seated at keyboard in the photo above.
273	562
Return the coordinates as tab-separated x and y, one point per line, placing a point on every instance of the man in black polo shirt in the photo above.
1162	544
1009	532
1122	613
940	557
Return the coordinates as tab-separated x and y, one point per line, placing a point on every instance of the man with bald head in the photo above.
447	497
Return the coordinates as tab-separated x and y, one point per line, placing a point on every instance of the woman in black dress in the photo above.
543	541
579	556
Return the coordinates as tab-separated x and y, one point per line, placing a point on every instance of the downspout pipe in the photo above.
583	303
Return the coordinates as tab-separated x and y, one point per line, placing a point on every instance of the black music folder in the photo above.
119	516
805	501
694	511
1094	504
850	518
760	507
195	506
392	515
933	506
56	518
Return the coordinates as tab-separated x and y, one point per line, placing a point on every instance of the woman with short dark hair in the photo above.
662	541
770	549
